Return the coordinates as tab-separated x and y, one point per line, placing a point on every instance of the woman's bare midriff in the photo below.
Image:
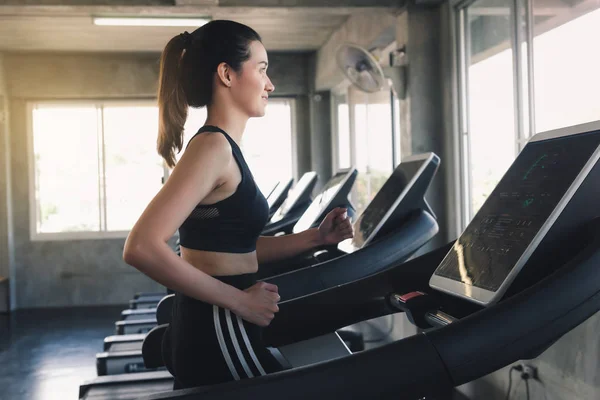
221	264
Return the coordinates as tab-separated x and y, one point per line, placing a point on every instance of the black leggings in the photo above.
206	344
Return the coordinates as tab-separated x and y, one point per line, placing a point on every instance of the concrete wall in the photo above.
568	370
363	29
303	157
83	272
422	111
6	249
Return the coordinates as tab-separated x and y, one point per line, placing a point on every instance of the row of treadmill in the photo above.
524	271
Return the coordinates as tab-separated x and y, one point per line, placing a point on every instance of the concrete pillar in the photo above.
6	248
422	113
302	153
320	136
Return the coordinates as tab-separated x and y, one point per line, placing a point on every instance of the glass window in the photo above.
372	114
85	158
342	134
488	59
130	156
566	64
267	144
66	169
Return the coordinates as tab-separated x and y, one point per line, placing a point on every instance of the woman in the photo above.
211	197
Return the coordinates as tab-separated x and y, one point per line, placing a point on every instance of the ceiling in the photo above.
66	25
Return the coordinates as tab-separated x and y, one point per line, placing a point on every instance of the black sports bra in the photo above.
231	225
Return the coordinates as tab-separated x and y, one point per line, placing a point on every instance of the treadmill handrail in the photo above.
384	251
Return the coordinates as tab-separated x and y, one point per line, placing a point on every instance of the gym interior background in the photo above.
480	77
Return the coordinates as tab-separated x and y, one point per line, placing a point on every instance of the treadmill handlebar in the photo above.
388	251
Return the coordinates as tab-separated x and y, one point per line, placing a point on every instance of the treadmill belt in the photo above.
126	346
128	391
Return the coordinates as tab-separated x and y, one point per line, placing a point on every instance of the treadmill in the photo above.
521	275
277	196
402	228
334	194
297	201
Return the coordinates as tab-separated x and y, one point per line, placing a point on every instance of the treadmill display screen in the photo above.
320	203
384	200
515	211
293	196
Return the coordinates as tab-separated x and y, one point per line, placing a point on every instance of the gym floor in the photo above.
46	354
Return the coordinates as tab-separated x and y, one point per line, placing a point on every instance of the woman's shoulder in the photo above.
207	146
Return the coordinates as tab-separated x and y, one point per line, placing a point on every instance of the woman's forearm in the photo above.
275	248
158	261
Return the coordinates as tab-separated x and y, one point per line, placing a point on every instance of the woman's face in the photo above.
252	85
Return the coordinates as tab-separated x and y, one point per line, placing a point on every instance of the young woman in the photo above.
211	197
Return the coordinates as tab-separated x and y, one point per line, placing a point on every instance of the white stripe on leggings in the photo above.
249	347
236	345
221	341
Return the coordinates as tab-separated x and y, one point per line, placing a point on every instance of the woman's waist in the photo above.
221	264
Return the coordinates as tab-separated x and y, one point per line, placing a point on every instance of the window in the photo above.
491	108
566	65
373	145
341	129
94	168
524	67
266	144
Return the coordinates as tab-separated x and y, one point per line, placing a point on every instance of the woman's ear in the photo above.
224	73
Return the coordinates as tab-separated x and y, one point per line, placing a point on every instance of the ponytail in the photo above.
172	101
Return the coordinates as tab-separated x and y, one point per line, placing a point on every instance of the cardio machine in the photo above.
297	201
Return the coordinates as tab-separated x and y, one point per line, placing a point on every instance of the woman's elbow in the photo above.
133	251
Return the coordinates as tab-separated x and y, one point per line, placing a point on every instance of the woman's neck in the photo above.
231	122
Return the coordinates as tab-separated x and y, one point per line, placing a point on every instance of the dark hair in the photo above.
187	67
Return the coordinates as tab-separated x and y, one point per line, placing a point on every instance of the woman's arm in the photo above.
275	248
335	227
146	247
199	171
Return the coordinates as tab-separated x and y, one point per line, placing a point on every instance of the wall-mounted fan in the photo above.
364	71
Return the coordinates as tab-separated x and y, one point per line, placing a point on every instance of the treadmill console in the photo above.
279	191
336	190
296	195
391	200
515	217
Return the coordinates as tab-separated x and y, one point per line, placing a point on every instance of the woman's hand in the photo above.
259	304
335	227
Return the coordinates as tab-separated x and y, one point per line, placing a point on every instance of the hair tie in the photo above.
187	39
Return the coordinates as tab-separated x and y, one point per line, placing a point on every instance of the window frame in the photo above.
523	91
36	236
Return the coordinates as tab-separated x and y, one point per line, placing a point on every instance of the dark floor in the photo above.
46	354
